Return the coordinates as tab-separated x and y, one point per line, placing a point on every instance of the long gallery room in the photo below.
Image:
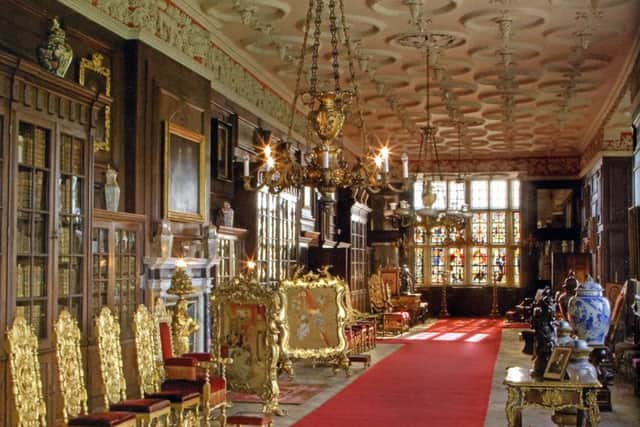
319	213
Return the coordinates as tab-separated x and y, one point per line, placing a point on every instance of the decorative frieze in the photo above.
167	23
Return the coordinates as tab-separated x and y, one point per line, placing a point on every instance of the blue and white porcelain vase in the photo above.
580	368
590	312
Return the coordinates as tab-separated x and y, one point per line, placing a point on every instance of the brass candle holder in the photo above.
182	324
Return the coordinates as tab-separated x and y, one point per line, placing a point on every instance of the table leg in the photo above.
593	411
513	408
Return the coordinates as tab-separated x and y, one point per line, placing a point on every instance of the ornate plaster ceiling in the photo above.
512	78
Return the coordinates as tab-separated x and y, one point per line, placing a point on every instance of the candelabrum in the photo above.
444	312
495	310
182	324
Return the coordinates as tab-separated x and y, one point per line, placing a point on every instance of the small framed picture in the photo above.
222	147
557	363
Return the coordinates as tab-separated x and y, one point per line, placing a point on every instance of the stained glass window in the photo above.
479	194
498	228
437	265
515	194
499	265
516	227
456	195
479	227
494	231
456	265
440	190
498	195
479	265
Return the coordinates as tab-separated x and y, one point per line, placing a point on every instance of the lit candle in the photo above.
325	158
405	165
385	158
245	164
181	263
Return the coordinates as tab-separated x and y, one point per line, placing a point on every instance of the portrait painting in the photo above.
557	363
184	174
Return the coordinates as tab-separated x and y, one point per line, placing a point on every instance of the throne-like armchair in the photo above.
191	371
393	321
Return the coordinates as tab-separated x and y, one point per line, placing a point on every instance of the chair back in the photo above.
163	319
149	373
110	355
22	349
70	370
378	293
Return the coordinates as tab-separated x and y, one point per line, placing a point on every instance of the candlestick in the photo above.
405	165
325	158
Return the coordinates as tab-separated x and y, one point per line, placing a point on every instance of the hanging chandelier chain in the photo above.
316	47
354	82
333	29
303	51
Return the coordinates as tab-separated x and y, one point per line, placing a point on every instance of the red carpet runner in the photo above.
440	377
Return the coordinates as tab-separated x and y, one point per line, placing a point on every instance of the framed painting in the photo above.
222	148
184	174
314	316
96	76
245	319
557	364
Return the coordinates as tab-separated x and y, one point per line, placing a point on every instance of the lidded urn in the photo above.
590	312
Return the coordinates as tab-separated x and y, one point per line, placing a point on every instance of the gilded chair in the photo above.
148	411
184	403
72	385
380	299
191	371
24	370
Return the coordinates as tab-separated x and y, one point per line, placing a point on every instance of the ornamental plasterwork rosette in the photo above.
167	22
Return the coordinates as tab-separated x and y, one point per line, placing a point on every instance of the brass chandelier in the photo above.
323	166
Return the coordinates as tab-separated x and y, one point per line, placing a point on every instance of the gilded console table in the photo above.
523	390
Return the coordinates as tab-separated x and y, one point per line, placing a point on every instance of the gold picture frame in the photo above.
184	174
557	364
313	319
94	74
245	319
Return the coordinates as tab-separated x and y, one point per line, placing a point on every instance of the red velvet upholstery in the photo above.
173	396
165	341
397	321
249	419
217	384
102	419
140	405
201	357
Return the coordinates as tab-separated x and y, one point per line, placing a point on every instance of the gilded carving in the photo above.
313	318
26	385
167	22
110	355
513	405
246	328
145	332
70	370
552	398
89	71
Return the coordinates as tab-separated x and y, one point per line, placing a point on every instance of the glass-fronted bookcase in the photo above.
230	253
116	252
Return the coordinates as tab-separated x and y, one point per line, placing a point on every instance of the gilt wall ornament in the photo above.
56	55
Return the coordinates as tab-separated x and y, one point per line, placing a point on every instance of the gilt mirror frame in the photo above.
313	318
245	319
93	73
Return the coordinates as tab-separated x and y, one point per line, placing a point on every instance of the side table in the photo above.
523	390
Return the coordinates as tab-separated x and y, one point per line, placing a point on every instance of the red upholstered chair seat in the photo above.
217	384
102	419
249	419
200	357
140	405
173	396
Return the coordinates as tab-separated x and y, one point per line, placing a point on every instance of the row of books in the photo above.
30	285
71	161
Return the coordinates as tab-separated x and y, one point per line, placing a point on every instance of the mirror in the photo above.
555	208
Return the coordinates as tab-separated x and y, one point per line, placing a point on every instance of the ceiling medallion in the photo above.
435	39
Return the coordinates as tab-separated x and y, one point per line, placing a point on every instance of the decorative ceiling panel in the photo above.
511	77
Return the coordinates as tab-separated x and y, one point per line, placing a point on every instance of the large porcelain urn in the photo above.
590	312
